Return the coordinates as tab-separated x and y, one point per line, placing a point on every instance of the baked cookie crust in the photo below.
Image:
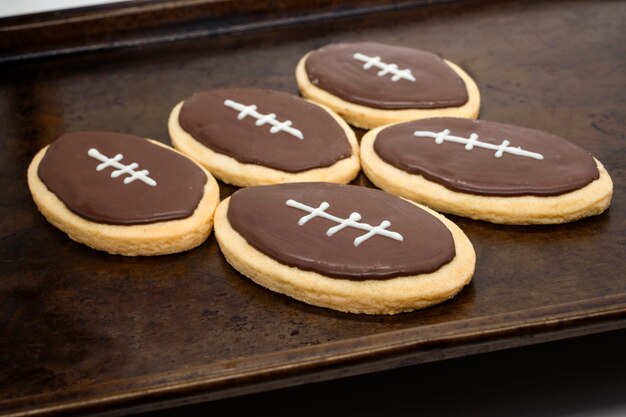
135	240
368	117
385	296
589	200
231	171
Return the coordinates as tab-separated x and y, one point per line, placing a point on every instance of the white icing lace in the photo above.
352	221
121	169
472	141
397	74
263	118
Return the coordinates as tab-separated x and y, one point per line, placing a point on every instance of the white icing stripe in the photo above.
444	136
121	169
314	213
397	74
352	221
263	118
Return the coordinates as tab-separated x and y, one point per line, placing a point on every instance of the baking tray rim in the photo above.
487	332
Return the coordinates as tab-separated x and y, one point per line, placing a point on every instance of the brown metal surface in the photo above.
84	331
141	22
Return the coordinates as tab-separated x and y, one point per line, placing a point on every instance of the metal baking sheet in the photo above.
83	331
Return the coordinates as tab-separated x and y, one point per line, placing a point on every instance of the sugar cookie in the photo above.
123	194
349	248
247	136
487	171
373	84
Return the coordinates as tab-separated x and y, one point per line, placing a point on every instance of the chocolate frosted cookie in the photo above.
247	136
345	247
373	84
123	194
487	171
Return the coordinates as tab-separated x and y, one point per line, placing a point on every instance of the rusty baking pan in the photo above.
84	331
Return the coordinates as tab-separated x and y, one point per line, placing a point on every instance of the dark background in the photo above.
578	377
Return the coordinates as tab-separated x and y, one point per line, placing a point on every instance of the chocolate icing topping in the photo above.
261	216
69	172
205	117
565	167
333	68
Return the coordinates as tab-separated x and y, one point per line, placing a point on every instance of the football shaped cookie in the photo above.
373	84
247	136
487	171
349	248
123	194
